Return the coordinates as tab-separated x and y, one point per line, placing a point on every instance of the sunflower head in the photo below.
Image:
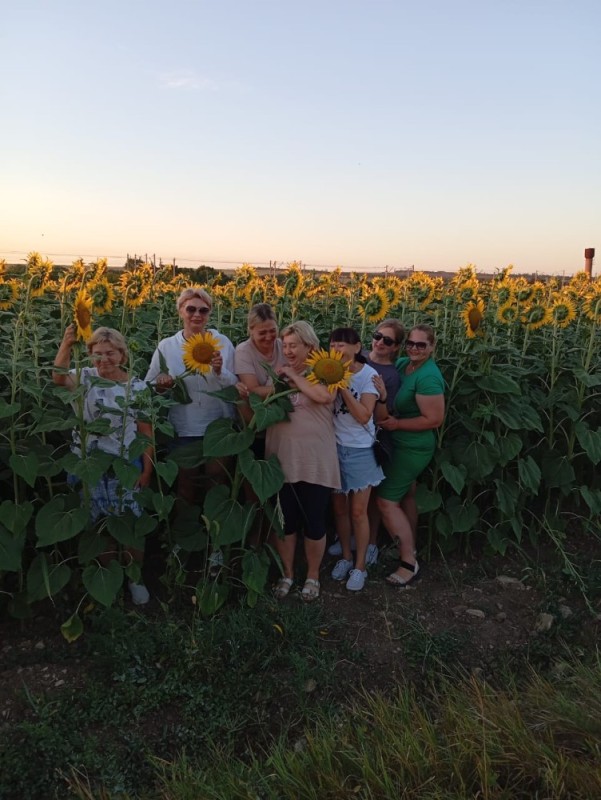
376	305
563	310
507	314
329	369
536	315
198	351
102	295
9	292
472	317
82	313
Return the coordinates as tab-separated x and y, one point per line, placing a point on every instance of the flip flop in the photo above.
395	580
310	590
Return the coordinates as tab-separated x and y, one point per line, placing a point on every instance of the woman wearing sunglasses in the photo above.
419	409
190	420
385	345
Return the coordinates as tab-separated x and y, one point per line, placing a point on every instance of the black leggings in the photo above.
305	506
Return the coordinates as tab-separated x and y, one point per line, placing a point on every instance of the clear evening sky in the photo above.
359	133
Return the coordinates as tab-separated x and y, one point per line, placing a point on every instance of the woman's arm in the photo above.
250	380
361	409
431	407
314	391
63	359
145	429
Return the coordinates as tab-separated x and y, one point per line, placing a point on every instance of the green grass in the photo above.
253	704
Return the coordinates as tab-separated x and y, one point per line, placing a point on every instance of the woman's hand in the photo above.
388	424
243	390
69	336
164	381
378	382
217	362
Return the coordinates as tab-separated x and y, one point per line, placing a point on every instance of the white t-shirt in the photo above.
112	402
192	419
349	432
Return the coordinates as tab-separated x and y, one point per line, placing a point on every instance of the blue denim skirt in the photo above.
358	468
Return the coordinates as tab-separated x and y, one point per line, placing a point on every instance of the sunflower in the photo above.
198	351
473	314
102	295
295	280
503	292
135	286
328	369
9	291
536	315
419	290
591	307
467	291
376	306
507	314
82	312
563	310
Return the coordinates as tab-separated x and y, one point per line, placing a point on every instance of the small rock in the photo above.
58	683
565	612
475	612
501	616
544	622
40	645
310	685
457	610
508	580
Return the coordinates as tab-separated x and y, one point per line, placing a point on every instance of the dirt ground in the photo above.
471	612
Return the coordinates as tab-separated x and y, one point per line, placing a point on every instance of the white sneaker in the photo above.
371	556
336	548
356	580
139	593
341	569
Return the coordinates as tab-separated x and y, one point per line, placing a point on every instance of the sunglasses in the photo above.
191	310
379	337
411	345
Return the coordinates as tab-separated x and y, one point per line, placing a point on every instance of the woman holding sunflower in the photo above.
204	360
419	409
109	393
359	472
305	445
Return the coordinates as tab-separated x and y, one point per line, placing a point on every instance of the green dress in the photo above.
413	450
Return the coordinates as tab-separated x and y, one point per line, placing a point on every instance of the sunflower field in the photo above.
518	451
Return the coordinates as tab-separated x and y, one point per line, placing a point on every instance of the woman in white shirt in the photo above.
359	472
190	420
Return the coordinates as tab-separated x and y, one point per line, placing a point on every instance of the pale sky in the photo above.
359	133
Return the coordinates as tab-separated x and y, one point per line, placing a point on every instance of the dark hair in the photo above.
348	336
397	327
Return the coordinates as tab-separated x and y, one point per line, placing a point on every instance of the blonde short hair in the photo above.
262	312
111	336
304	331
194	291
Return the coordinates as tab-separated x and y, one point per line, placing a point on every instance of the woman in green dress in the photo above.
418	411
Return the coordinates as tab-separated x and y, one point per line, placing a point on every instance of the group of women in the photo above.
325	448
